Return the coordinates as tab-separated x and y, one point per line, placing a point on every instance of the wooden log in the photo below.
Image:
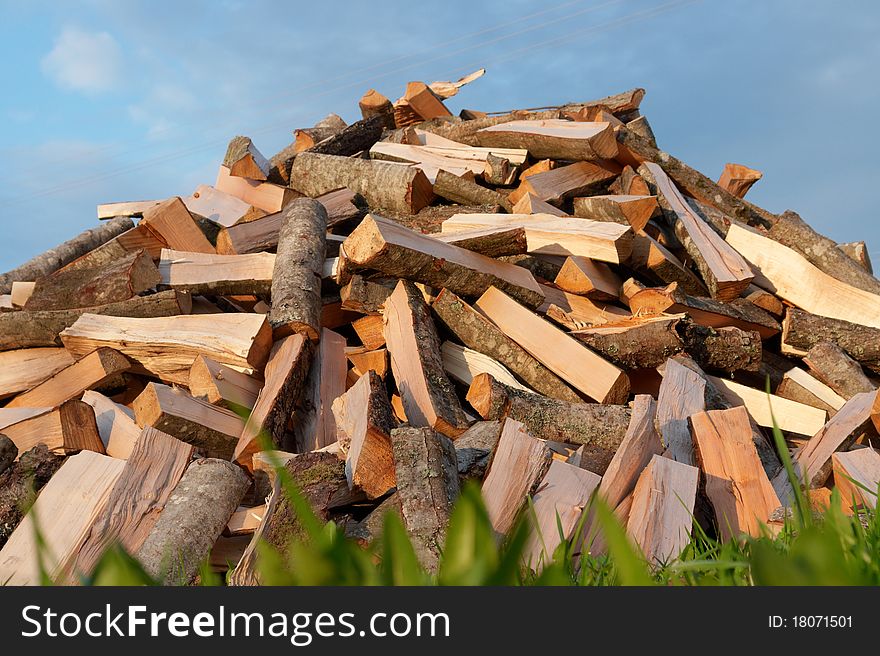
858	251
629	183
66	429
90	371
194	516
637	344
426	470
725	272
764	300
793	278
285	375
800	386
267	196
831	365
801	331
124	209
245	520
599	427
792	231
46	263
21	293
519	463
306	138
242	340
373	103
428	396
634	211
559	352
653	259
152	471
361	295
578	179
370	330
363	360
466	192
334	367
296	279
172	225
458	159
35	329
217	275
531	204
642	128
20	482
581	275
24	369
213	431
223	386
478	333
553	138
857	476
661	516
682	394
463	364
491	242
548	235
245	161
395	251
69	503
398	187
738	179
474	448
217	206
115	424
736	484
120	281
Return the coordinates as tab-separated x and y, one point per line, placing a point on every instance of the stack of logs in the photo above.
539	301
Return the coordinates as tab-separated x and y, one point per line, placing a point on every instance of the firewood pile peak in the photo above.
543	302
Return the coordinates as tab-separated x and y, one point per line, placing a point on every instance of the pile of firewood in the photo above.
541	301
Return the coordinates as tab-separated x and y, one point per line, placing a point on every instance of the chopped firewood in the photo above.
738	179
296	279
245	521
682	394
90	371
724	271
764	300
458	159
499	171
553	138
565	356
242	340
370	330
464	364
361	295
216	275
395	186
24	369
466	192
474	449
22	292
858	251
801	331
800	386
55	258
120	281
790	276
558	504
221	385
245	161
857	476
662	509
654	260
363	360
285	375
171	224
491	242
66	429
629	183
373	103
333	370
531	204
428	396
25	329
266	196
305	138
831	365
69	504
126	209
217	206
578	179
115	424
581	275
736	484
20	480
427	485
395	251
213	431
518	464
194	517
634	211
642	128
576	312
599	427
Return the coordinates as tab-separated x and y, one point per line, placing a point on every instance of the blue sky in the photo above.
108	100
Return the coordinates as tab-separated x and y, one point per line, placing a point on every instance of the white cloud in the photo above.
84	61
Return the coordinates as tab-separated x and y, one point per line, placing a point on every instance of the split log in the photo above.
519	463
66	429
831	365
333	367
491	242
223	386
583	276
245	521
726	348
599	427
661	516
80	288
306	138
724	270
213	431
858	251
398	187
242	340
531	204
296	279
682	394
124	209
428	396
90	371
642	128
653	259
21	293
24	369
153	470
170	224
464	364
800	386
426	470
474	449
764	300
395	251
20	482
793	278
792	231
217	206
285	375
559	352
35	329
738	179
217	275
578	179
370	330
499	171
736	484
629	183
245	161
634	211
363	360
194	516
373	103
857	476
466	192
553	139
55	258
115	425
267	196
458	159
361	295
801	331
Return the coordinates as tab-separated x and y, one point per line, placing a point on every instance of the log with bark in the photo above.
831	365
